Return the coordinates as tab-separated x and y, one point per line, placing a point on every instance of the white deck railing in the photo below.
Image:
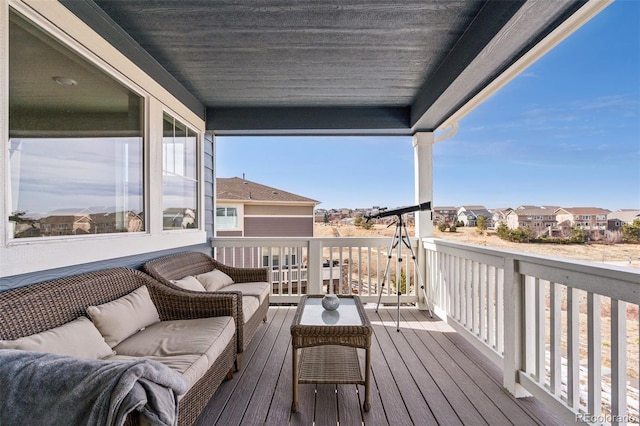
559	329
319	265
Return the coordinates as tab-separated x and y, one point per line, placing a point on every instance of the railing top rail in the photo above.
614	281
301	241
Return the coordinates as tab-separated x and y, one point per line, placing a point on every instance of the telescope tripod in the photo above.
401	235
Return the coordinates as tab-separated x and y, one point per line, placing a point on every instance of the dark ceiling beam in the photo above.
258	121
444	95
92	15
489	21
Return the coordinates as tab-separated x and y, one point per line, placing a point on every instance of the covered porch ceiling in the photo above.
277	67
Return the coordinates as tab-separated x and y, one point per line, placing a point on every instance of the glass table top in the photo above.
314	314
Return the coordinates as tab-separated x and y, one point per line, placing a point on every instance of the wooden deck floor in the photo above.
426	374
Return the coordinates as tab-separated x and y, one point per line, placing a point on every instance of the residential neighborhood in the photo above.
554	221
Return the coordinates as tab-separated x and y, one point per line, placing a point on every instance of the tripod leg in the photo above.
393	244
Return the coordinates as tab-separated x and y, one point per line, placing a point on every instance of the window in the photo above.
179	175
269	258
75	142
227	218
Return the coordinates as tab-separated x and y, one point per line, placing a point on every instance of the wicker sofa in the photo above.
248	281
39	307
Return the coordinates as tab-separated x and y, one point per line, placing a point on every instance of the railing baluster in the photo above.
541	345
618	360
448	272
594	349
463	292
491	308
573	348
500	311
467	294
555	336
483	302
530	313
473	284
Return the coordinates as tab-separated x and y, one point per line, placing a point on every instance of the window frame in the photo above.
240	210
18	256
199	171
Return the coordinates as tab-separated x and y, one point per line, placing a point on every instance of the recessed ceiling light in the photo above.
65	81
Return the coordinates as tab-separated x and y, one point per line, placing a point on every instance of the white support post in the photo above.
513	328
423	166
314	267
423	182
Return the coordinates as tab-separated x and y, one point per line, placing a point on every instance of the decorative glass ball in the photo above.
330	302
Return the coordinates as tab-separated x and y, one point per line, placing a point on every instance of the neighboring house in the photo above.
321	215
590	219
65	224
616	219
91	220
249	209
468	215
105	223
500	215
445	215
540	219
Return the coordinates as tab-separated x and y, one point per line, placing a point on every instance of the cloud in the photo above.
607	102
53	174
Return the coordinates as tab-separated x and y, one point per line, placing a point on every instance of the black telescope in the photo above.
398	212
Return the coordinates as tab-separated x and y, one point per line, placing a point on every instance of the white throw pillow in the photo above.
125	316
214	280
189	283
79	338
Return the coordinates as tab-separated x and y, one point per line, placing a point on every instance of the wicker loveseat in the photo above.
175	267
39	307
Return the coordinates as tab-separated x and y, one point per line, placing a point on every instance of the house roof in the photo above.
478	212
354	66
534	211
584	210
239	189
624	215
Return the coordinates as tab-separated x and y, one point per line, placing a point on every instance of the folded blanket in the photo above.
46	389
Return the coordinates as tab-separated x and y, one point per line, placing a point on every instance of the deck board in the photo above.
424	374
435	384
404	371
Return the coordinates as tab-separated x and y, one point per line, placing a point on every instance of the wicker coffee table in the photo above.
328	343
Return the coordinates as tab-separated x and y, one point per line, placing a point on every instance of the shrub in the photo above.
519	235
503	231
631	232
577	235
482	223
